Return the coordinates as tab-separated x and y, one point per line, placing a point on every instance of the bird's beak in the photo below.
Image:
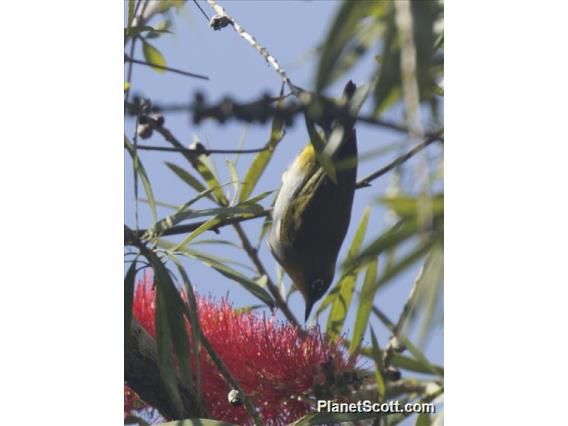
309	306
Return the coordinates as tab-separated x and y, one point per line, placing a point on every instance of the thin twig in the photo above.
196	151
271	60
394	344
131	60
190	227
253	255
251	410
168	136
201	9
366	181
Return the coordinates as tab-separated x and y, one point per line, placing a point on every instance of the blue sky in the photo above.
290	30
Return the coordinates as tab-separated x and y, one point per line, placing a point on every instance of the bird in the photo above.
312	212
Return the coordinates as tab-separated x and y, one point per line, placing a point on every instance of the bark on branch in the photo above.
141	373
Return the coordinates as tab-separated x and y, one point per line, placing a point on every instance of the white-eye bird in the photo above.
312	212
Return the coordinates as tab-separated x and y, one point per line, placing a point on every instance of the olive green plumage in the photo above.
312	213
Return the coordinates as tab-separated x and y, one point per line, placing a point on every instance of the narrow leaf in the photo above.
342	293
130	12
325	418
128	295
204	227
378	357
250	285
423	419
406	362
153	56
170	312
191	313
365	304
235	180
262	159
188	178
335	54
413	349
206	169
140	171
173	219
399	232
409	206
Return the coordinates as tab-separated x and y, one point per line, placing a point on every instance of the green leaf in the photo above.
365	304
241	210
130	12
164	339
264	230
162	27
200	230
171	310
180	214
324	418
399	232
342	292
429	294
423	419
252	201
262	159
140	171
411	364
412	348
192	314
389	88
406	362
196	422
216	242
396	267
235	180
341	49
378	358
206	170
128	295
152	32
396	419
153	56
250	285
188	178
196	254
407	206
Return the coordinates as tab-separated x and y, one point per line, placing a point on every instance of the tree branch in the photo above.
142	374
253	255
262	109
251	410
190	227
366	181
162	67
206	151
223	19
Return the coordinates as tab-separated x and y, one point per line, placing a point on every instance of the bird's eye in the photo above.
319	286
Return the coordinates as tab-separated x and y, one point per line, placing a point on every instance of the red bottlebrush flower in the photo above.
277	367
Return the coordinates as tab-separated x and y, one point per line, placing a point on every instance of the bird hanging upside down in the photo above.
312	212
